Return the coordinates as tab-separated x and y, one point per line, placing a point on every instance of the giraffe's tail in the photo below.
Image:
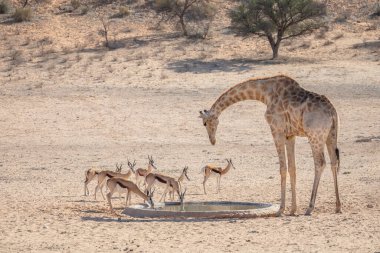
337	157
334	138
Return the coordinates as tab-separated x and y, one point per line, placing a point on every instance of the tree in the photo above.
185	11
277	20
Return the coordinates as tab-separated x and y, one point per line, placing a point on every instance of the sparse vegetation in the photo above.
327	43
104	31
198	12
75	4
16	57
337	36
342	17
278	20
321	33
84	10
23	14
5	6
376	12
123	11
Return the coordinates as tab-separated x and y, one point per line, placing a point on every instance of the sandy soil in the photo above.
67	108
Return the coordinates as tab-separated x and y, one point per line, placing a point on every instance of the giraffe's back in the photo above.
294	103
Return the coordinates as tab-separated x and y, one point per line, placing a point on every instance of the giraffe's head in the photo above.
210	121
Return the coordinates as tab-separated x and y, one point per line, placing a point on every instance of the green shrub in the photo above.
4	6
23	14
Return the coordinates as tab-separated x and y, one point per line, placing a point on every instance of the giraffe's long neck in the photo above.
226	169
250	89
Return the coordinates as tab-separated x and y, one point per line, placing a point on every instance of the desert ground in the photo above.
68	104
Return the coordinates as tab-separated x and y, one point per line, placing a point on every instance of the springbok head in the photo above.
119	167
132	165
185	172
210	121
151	162
230	163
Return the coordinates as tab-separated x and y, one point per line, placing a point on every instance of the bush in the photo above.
23	14
162	5
376	12
123	11
200	13
278	20
4	7
84	10
75	4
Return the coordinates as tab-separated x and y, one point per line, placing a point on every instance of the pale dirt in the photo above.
80	106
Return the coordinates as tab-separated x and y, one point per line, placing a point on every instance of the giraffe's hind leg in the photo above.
317	125
319	164
333	154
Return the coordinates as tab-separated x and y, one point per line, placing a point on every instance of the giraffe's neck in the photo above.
226	169
250	89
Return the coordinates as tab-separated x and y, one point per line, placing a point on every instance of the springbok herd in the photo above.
121	182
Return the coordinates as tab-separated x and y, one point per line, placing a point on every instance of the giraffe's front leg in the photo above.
279	140
290	143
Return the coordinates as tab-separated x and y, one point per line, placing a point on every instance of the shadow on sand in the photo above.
134	220
218	65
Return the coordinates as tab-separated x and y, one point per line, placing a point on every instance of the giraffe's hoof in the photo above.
308	211
293	211
280	213
338	210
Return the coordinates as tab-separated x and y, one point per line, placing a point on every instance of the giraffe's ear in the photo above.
202	114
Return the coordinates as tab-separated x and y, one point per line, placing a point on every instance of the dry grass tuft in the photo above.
23	14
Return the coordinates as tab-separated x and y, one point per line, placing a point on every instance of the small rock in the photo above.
369	206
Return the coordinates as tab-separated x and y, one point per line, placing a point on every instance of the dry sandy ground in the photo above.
73	111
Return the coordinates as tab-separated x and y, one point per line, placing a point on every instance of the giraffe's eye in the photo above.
205	124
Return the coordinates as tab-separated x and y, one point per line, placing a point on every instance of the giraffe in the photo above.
291	111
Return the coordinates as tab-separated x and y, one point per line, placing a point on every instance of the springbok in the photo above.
144	172
116	184
210	169
170	183
180	179
90	175
110	174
